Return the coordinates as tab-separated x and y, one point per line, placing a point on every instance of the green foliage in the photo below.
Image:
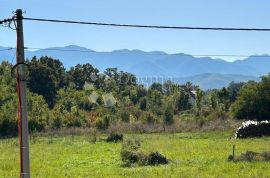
213	100
125	116
46	77
103	123
253	101
143	103
81	74
199	96
149	118
224	97
183	102
130	153
8	118
168	116
155	101
84	97
38	113
156	87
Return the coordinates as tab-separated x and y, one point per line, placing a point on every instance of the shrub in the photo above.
218	114
130	152
148	118
251	129
125	116
253	156
168	116
131	155
103	123
156	158
114	137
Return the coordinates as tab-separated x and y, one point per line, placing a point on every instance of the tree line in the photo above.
83	96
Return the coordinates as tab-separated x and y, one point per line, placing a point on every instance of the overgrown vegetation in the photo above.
253	156
131	155
84	97
115	137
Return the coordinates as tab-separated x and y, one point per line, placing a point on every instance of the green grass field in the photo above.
190	155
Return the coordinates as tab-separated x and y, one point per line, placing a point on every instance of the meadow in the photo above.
201	154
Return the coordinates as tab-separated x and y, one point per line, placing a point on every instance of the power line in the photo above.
54	49
6	20
149	53
149	26
8	49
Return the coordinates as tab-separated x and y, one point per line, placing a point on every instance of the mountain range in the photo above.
203	71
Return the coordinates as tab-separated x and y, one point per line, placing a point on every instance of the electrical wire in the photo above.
149	26
8	49
6	20
7	23
147	53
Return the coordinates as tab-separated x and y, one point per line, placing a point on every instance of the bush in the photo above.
218	114
252	101
114	137
125	116
251	129
156	158
148	118
103	123
168	116
130	152
131	155
253	156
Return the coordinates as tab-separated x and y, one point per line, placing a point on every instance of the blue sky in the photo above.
213	13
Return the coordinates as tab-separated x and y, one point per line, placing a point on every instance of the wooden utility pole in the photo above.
22	105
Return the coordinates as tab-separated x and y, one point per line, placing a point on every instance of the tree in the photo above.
168	87
253	101
234	89
8	110
143	103
168	115
157	87
199	96
5	74
213	100
80	74
126	79
183	101
246	105
224	98
38	113
155	101
46	76
112	72
8	101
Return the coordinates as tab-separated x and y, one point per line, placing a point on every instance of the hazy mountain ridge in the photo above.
204	71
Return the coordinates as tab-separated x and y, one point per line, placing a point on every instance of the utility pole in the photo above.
22	105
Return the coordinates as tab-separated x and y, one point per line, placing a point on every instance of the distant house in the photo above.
193	95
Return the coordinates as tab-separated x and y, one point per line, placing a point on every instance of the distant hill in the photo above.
205	71
217	81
